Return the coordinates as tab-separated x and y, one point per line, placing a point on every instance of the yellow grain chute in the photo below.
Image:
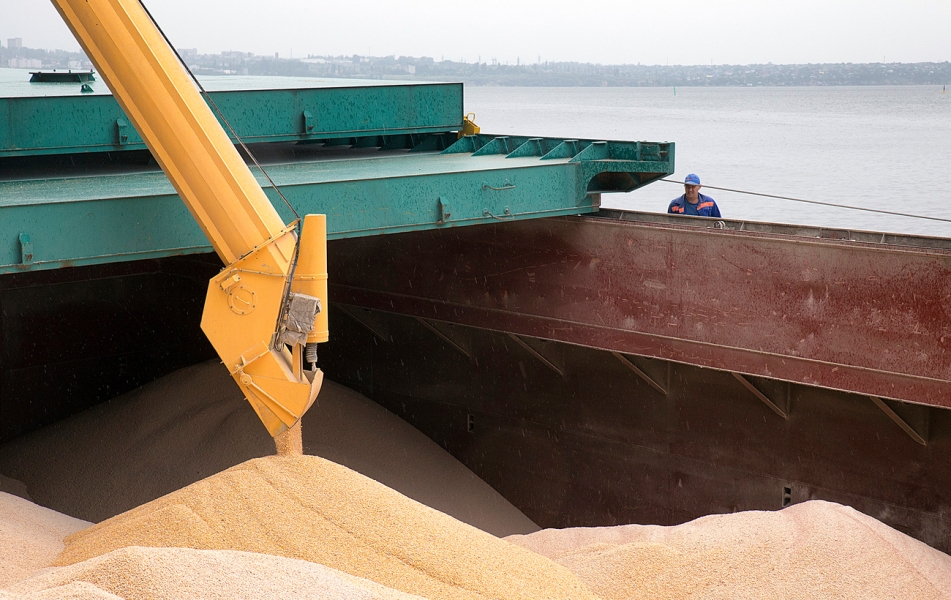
267	309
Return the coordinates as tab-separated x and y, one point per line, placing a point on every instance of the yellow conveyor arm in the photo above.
261	322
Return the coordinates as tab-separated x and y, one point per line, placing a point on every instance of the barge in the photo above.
596	367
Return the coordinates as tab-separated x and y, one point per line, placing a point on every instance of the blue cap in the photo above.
691	180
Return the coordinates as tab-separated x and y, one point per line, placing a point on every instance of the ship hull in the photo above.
482	339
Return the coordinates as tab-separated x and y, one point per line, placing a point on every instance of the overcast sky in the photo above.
605	31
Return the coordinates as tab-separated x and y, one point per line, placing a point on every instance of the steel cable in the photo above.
218	111
288	282
871	210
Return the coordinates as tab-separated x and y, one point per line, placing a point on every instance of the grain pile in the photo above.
176	573
304	527
194	423
77	590
30	537
349	429
12	486
810	550
311	509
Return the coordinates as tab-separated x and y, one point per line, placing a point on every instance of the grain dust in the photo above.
290	442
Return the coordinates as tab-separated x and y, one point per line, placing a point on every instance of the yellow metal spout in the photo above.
248	303
311	275
242	311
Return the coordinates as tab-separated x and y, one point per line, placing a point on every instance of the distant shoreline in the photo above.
490	84
540	74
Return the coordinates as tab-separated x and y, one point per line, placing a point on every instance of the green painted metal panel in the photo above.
126	216
57	118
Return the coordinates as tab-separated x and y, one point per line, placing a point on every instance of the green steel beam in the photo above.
59	118
52	223
607	166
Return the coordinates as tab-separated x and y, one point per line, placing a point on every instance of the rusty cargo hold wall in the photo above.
599	372
856	316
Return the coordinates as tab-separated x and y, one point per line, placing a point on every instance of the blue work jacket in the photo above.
706	207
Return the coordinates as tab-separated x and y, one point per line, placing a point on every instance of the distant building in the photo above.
25	63
14	43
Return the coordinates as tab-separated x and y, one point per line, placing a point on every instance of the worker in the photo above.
693	202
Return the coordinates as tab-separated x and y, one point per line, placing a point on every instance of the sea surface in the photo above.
883	147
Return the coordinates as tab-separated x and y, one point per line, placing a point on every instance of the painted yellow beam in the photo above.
167	110
245	302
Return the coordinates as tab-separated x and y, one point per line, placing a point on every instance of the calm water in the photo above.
879	147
